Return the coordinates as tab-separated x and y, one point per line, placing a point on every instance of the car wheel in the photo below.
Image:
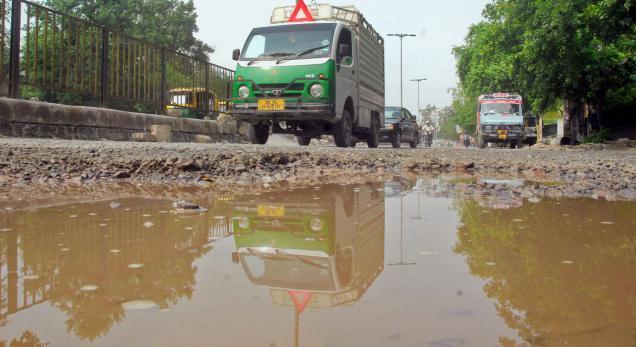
415	142
258	134
396	141
343	133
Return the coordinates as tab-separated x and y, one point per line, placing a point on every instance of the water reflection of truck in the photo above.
500	120
331	249
322	77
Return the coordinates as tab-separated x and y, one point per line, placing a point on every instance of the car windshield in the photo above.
391	114
272	43
500	108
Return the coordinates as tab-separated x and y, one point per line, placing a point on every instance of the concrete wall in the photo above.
21	118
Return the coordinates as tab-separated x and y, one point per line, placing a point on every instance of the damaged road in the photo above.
579	172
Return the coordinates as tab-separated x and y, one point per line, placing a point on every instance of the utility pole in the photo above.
401	36
419	108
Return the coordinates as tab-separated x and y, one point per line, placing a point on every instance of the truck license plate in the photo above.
503	134
270	211
271	105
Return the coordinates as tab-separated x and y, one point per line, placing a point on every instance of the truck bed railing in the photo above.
327	12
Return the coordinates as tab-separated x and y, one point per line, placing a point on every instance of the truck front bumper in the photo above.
508	136
298	111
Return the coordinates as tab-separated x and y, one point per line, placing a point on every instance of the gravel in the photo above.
574	172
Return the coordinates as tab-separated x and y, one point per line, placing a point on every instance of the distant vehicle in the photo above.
193	103
400	126
323	76
427	131
530	129
500	120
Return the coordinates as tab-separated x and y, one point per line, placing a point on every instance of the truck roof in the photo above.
328	13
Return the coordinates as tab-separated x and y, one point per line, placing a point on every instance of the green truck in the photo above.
328	244
321	76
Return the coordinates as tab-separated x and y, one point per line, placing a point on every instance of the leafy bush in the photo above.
598	137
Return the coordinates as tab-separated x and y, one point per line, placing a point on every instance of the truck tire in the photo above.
258	134
343	132
373	137
481	142
396	140
303	140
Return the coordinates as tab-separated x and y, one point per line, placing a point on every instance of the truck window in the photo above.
345	41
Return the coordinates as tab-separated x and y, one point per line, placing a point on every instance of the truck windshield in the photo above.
272	43
500	108
285	271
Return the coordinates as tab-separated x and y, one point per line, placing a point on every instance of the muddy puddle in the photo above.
391	264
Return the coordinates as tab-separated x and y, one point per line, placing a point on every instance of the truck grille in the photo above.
267	90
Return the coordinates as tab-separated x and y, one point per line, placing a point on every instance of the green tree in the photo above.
170	23
572	51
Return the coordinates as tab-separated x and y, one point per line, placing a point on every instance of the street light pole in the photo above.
419	108
401	36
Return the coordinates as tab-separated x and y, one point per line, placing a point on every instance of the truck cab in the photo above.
313	78
500	120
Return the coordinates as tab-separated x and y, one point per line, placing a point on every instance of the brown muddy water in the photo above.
394	264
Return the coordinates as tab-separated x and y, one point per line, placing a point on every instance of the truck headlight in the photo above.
317	91
316	224
243	92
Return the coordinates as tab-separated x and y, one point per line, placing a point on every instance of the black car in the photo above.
400	126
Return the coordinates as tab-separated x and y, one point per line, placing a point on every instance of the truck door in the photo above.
346	82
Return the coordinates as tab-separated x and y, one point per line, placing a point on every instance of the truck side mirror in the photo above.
236	54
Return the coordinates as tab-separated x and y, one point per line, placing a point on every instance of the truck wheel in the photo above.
396	141
481	142
343	133
303	140
373	138
258	134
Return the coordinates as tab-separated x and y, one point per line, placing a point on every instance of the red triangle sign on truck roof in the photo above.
300	299
296	15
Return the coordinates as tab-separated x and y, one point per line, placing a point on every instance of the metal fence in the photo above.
61	58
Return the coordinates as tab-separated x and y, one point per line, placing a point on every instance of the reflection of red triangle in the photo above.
306	14
300	299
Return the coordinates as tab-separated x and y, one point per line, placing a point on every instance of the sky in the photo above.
439	25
